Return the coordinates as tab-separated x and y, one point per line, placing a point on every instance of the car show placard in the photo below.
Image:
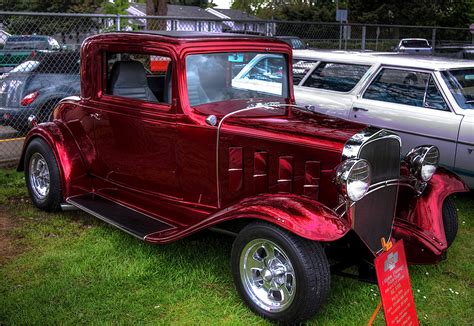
395	289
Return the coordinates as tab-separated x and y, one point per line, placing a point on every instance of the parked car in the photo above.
36	86
19	48
463	51
418	46
424	100
294	41
165	155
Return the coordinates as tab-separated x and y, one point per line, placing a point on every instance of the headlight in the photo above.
423	161
353	178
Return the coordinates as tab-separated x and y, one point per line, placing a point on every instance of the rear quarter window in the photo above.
339	77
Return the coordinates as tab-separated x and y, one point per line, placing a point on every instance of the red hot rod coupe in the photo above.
164	153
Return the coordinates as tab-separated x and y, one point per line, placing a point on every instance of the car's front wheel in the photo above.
279	275
450	220
42	176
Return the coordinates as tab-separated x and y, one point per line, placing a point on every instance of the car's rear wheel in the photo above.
279	275
42	176
450	220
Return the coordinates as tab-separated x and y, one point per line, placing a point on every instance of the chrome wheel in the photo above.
267	275
39	176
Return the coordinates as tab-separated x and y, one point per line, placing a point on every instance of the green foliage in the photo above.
75	269
447	13
118	7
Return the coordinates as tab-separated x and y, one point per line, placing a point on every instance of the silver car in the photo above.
426	100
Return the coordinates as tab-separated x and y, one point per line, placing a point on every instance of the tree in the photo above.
156	8
118	7
447	13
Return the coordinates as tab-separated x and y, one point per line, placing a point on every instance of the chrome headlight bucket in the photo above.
353	178
423	161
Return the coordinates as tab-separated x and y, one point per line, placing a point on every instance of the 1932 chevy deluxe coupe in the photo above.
163	142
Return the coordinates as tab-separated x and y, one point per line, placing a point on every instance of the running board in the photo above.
118	215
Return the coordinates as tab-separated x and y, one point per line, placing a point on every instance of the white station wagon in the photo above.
426	100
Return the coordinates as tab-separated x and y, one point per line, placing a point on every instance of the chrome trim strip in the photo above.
68	207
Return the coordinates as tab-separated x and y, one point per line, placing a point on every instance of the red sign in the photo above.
395	289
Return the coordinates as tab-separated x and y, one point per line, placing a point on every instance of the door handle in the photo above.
360	109
96	116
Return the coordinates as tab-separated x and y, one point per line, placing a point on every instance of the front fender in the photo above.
74	177
428	212
307	218
423	228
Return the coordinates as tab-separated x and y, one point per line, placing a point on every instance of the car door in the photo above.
408	102
329	87
135	127
464	165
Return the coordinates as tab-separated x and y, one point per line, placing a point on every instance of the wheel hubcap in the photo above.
39	176
267	275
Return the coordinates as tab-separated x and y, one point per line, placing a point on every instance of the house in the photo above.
193	18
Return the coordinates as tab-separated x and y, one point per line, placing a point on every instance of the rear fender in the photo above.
305	217
74	177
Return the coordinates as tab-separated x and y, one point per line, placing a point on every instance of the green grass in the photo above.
73	269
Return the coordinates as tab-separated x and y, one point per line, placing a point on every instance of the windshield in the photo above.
415	44
218	77
461	84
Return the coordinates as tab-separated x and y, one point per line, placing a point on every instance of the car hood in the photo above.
299	126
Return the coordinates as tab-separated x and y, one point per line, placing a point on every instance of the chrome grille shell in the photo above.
372	217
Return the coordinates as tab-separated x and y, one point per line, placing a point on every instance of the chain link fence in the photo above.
39	54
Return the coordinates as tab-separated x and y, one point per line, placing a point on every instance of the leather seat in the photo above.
128	79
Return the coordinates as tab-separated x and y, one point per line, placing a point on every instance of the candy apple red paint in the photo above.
213	140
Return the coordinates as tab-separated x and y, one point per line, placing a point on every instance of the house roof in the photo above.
139	9
234	14
173	11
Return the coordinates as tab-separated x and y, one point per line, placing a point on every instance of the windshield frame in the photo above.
236	104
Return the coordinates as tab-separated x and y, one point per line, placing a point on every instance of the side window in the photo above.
139	76
398	86
300	69
433	98
339	77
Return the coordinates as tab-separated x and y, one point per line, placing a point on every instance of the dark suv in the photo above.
35	86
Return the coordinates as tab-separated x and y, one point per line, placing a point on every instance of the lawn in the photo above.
69	268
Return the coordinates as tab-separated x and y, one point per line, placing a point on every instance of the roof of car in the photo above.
186	36
387	58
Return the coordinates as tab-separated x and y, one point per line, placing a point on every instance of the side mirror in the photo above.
211	120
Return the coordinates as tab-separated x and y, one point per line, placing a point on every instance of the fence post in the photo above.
377	38
117	23
364	30
340	35
433	40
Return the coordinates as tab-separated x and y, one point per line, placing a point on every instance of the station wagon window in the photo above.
339	77
406	87
300	69
139	76
217	77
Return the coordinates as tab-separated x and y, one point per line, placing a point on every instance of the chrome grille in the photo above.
372	216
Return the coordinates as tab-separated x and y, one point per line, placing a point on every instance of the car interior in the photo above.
129	78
